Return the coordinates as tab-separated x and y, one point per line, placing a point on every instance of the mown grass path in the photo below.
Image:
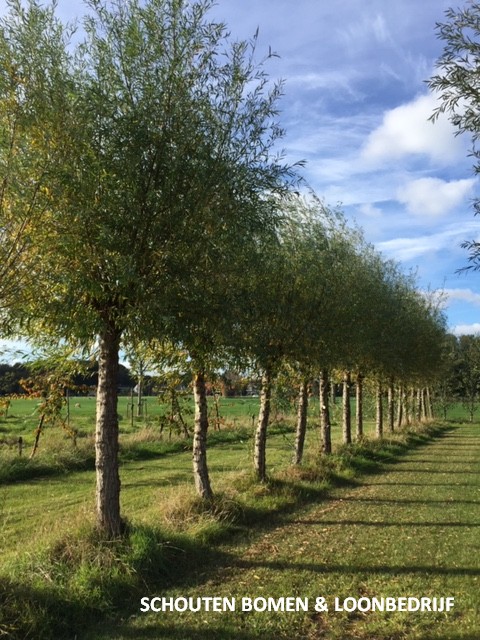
411	530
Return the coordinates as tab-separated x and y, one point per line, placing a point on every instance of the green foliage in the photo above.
158	131
456	85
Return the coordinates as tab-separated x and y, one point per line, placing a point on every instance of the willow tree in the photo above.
349	319
263	328
164	141
264	325
456	86
387	322
210	326
288	310
317	311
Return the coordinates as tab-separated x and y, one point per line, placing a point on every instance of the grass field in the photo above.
396	519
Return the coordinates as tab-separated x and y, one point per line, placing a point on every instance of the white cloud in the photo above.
370	210
406	130
434	197
463	295
414	247
466	329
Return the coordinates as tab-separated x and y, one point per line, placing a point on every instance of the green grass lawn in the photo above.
407	528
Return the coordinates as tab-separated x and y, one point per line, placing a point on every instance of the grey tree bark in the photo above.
333	392
200	468
301	422
391	405
411	406
359	406
378	410
419	398
259	455
325	425
140	391
430	412
401	407
109	521
347	412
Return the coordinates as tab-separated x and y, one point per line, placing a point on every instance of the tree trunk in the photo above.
359	406
405	405
419	405
411	407
140	394
400	406
391	406
216	402
109	521
200	468
378	411
301	422
325	413
430	412
347	413
423	403
259	457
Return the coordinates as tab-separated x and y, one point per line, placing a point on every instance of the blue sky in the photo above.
356	108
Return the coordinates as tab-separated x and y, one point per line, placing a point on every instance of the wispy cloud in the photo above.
332	81
410	248
359	34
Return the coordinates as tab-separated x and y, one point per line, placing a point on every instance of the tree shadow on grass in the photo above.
152	632
104	580
358	570
394	483
182	632
170	480
432	471
389	523
461	636
449	460
29	612
402	501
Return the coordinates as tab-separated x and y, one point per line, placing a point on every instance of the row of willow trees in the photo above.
143	202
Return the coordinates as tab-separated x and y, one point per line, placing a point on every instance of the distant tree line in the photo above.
12	375
460	381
